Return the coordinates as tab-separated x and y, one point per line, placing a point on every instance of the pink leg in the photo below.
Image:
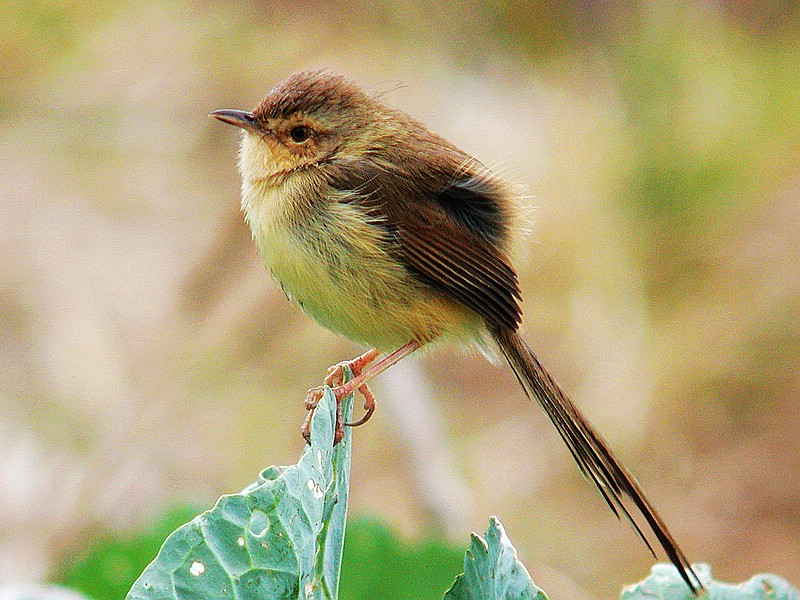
359	382
334	379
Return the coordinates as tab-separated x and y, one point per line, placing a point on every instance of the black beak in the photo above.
239	118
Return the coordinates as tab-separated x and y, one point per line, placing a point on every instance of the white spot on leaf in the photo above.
259	523
309	589
315	489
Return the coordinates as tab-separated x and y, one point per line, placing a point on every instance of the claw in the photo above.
312	401
369	406
335	380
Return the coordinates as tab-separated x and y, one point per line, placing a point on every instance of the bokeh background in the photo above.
147	359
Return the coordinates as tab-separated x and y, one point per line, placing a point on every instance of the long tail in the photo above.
593	455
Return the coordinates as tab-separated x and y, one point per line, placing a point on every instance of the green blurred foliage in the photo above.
375	558
109	567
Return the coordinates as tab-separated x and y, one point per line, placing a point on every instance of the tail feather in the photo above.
593	455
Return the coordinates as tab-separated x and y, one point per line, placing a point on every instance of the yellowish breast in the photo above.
333	259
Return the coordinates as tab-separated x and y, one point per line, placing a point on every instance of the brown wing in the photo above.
465	267
447	229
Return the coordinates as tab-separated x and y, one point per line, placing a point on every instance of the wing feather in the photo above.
449	231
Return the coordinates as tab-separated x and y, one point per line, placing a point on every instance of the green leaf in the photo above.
492	571
664	582
280	538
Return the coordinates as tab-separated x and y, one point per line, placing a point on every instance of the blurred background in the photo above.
146	358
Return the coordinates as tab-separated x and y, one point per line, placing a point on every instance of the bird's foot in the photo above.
335	380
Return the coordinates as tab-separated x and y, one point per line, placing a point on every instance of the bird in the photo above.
385	232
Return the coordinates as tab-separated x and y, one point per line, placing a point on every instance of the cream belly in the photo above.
334	262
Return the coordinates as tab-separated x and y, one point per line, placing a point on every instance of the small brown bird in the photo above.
386	233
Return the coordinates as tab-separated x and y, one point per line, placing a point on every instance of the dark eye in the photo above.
300	133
